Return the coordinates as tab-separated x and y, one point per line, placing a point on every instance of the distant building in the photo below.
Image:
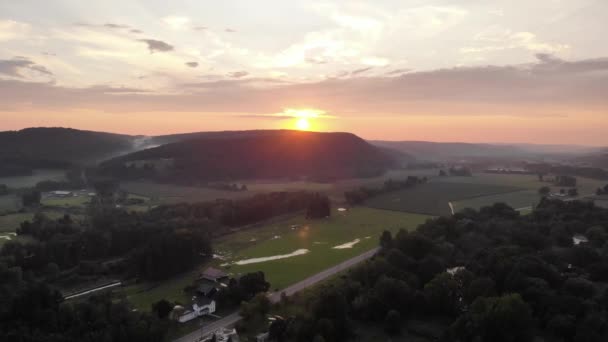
213	274
206	288
202	306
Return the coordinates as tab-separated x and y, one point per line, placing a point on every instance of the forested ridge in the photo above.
275	154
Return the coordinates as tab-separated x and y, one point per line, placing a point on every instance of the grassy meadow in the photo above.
282	237
317	236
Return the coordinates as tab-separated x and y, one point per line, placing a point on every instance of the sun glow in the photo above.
304	118
303	124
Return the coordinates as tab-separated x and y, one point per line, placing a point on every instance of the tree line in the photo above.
364	193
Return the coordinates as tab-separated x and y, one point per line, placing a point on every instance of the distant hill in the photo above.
21	151
254	154
599	159
450	151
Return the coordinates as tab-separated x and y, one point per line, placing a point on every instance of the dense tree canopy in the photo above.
487	275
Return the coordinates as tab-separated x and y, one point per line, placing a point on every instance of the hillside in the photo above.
21	151
254	154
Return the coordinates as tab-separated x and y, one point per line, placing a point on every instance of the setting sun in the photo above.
303	124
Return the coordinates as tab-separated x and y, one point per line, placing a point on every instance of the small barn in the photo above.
213	274
206	288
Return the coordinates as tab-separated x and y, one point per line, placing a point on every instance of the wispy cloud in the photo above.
157	45
16	66
192	64
238	74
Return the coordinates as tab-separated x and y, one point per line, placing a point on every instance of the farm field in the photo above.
168	193
319	237
30	181
9	203
519	199
355	231
586	186
10	223
601	203
432	198
516	200
71	201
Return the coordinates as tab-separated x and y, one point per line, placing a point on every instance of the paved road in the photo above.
274	297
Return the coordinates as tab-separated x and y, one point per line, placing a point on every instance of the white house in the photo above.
202	306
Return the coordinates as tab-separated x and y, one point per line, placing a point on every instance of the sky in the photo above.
439	70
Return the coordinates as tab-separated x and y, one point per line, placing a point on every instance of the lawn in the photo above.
318	236
30	181
433	198
142	296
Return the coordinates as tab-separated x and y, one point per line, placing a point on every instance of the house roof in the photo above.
205	287
202	301
213	273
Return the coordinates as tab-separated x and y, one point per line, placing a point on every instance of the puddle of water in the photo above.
455	270
347	245
341	209
8	236
578	239
270	258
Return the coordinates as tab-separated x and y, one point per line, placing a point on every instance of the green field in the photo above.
10	223
9	203
66	202
586	186
317	236
433	198
168	193
517	200
520	199
30	181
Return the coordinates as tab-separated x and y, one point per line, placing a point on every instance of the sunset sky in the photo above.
438	70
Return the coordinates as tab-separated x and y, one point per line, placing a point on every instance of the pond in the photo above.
269	258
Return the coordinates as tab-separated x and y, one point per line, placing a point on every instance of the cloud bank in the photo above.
551	86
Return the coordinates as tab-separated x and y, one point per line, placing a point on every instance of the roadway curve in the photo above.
274	297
